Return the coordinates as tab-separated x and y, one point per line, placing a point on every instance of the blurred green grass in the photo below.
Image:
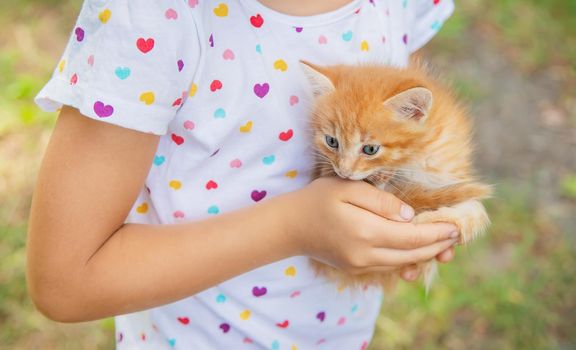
513	289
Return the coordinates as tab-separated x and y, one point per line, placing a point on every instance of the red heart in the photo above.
74	79
211	185
145	45
436	2
286	135
177	102
215	85
257	21
177	139
184	320
283	324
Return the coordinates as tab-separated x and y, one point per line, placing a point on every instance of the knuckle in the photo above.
415	240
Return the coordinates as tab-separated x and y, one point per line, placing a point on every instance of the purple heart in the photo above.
103	110
225	327
258	292
258	195
298	29
321	316
180	65
261	89
211	40
79	33
405	39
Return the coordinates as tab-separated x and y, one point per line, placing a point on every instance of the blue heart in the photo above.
354	308
275	345
347	36
258	48
220	298
219	113
436	25
172	342
404	3
158	160
213	210
122	72
269	159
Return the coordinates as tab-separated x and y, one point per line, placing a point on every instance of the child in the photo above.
188	211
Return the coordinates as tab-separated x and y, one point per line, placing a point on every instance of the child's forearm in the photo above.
124	275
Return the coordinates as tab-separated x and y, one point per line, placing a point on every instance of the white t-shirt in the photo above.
220	81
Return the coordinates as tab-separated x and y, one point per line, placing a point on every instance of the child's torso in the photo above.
241	136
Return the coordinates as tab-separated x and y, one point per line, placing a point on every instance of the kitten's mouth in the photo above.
377	179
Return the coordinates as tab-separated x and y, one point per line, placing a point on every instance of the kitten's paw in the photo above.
470	217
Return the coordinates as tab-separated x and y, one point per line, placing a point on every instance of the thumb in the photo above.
380	202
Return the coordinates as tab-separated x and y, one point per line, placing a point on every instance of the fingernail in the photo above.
406	212
454	234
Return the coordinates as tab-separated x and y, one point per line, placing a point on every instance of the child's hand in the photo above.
358	228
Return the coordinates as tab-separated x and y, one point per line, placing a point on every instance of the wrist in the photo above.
283	211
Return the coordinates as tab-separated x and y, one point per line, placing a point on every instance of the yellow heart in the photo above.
294	347
245	314
364	46
246	127
290	271
61	66
143	208
341	288
175	184
291	174
105	15
221	10
193	90
280	65
147	97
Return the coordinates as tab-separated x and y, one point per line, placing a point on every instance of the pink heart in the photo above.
189	125
261	90
341	321
171	14
102	110
322	40
192	3
236	163
294	100
91	60
228	55
178	214
295	294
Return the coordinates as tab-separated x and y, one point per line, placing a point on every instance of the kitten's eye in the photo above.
370	149
331	141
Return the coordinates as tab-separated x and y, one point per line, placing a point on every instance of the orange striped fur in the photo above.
424	138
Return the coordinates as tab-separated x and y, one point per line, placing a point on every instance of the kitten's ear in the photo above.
411	104
320	83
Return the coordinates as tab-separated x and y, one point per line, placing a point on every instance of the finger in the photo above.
446	255
411	236
397	257
409	273
377	201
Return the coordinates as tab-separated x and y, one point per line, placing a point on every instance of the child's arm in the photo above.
85	264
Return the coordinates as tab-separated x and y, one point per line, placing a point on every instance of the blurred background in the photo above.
512	61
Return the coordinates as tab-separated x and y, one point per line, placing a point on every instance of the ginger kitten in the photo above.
400	130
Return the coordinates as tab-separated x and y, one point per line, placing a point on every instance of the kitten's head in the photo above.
367	120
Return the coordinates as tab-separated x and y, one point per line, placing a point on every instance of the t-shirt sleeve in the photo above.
428	16
129	63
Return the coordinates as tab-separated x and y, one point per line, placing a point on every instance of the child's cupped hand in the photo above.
358	228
